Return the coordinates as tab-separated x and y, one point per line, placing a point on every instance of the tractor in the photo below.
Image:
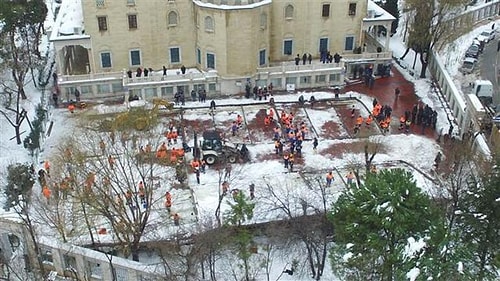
215	149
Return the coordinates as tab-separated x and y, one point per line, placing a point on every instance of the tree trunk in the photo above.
18	134
404	55
425	61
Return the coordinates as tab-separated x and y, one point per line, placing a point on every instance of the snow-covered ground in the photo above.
269	176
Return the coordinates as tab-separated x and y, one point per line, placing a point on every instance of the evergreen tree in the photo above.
391	6
479	223
375	222
20	181
241	211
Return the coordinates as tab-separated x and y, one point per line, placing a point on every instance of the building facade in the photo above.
106	48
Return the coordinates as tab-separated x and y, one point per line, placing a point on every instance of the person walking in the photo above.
397	92
291	161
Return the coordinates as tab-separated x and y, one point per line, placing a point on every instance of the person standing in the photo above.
304	58
297	59
315	144
291	160
228	170
286	159
310	58
397	92
176	218
252	191
350	178
329	179
197	172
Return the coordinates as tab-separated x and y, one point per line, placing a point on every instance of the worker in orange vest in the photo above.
329	179
162	151
71	108
369	120
267	121
46	193
359	121
111	161
46	166
402	122
168	201
142	192
195	164
173	156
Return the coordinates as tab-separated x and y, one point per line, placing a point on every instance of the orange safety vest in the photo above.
369	120
46	192
359	120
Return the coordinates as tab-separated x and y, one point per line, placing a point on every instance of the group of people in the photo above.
201	95
288	133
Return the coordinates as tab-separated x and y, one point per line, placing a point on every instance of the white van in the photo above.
487	36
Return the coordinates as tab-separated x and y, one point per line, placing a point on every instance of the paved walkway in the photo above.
383	91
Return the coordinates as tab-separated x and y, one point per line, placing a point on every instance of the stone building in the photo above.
104	48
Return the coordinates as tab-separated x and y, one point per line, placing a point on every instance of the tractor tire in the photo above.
210	159
232	158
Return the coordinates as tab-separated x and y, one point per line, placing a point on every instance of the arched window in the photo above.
289	12
263	20
172	18
209	24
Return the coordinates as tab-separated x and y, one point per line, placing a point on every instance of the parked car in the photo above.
480	44
468	65
472	52
487	36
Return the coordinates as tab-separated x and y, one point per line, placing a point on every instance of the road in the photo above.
489	66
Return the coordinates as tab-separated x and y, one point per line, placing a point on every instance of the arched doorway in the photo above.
74	60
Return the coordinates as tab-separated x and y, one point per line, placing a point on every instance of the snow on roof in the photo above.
232	7
377	13
69	22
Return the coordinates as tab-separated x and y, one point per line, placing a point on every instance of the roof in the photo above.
231	7
212	135
69	22
377	13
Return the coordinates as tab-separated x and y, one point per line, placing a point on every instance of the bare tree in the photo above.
117	182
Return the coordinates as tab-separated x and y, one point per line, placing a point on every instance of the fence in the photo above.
463	114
